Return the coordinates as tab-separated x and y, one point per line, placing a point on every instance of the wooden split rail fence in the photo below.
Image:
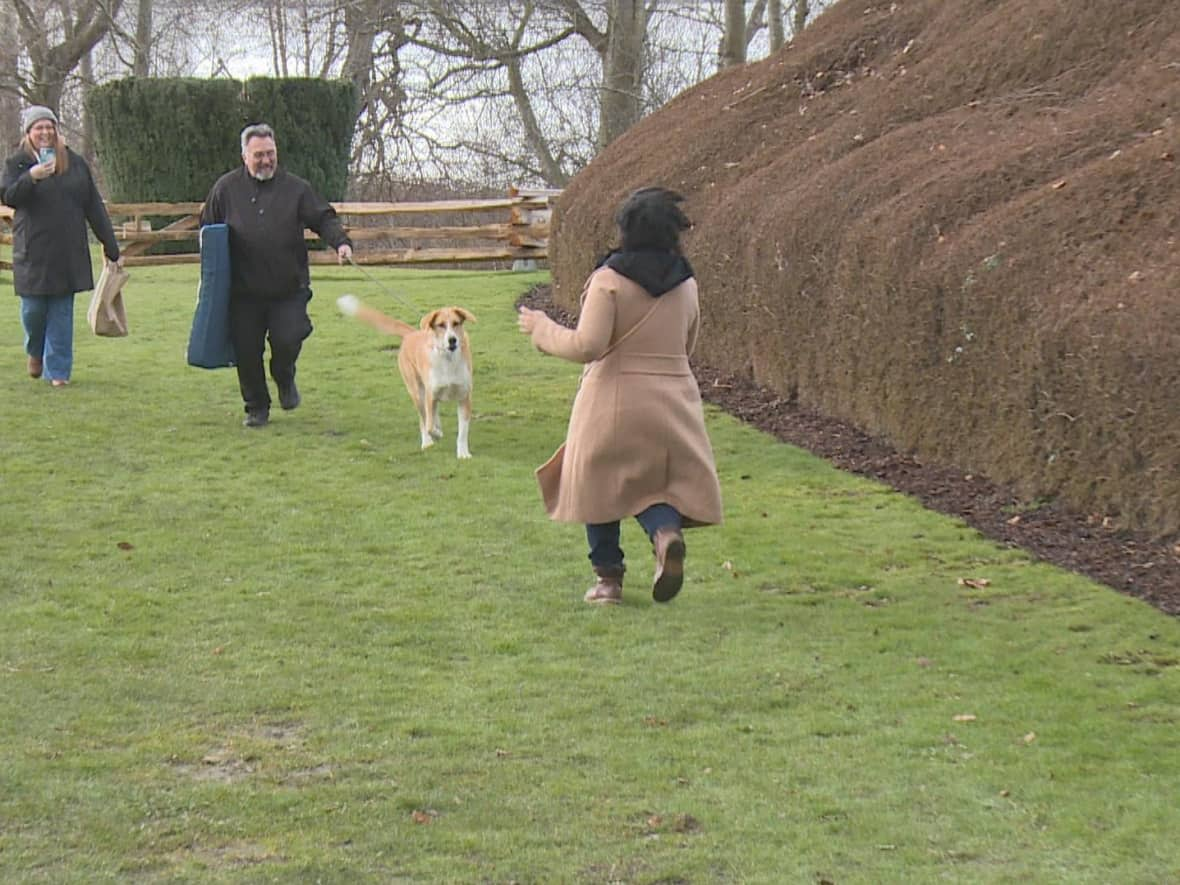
505	229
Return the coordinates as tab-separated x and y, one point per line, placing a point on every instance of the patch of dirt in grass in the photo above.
234	855
1131	563
220	766
284	734
239	757
322	772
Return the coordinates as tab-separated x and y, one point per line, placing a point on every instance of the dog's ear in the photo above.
466	315
428	320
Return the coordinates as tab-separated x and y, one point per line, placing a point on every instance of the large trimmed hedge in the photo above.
169	139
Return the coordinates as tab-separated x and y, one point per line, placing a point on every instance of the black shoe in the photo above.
256	418
289	396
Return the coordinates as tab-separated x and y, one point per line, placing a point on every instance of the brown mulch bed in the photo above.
1132	564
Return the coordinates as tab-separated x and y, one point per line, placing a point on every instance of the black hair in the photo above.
650	220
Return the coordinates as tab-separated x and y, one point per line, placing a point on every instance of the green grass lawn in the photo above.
315	653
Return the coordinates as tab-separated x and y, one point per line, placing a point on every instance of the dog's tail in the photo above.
352	306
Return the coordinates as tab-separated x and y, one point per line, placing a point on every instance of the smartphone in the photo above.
47	155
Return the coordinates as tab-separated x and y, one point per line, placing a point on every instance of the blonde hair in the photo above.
59	145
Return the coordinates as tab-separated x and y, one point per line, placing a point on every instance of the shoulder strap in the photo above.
643	319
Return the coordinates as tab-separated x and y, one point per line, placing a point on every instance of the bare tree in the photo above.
774	23
374	36
482	47
56	38
801	12
144	38
276	21
9	74
733	39
620	48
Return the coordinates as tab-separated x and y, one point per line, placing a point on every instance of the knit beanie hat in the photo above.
32	114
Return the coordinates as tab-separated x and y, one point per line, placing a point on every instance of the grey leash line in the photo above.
372	279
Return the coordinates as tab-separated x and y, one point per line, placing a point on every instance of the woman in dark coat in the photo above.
55	197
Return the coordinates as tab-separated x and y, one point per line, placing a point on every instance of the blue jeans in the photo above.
603	537
49	332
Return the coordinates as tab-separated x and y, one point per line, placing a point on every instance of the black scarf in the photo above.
656	272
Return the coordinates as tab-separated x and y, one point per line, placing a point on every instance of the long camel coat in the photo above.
637	430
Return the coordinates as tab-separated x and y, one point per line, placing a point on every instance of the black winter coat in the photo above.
267	251
50	250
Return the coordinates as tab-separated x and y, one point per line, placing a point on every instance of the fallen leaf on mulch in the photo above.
975	583
1059	184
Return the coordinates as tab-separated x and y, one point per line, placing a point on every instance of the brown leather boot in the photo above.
609	589
668	545
35	366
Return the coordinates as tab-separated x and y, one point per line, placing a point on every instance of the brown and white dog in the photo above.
435	362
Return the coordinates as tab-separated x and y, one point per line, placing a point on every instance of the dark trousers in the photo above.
603	537
252	321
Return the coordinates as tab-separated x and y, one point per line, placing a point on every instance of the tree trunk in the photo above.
360	28
370	25
733	40
9	53
774	18
86	149
623	69
535	135
276	20
802	12
141	66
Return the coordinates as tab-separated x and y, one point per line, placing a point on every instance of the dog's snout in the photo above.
452	342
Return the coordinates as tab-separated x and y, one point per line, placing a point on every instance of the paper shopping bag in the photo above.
107	314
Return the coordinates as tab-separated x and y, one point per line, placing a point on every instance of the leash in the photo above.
372	279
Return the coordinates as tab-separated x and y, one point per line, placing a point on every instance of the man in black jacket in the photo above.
267	209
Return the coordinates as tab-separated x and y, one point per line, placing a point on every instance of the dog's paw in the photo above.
427	442
463	454
348	304
436	433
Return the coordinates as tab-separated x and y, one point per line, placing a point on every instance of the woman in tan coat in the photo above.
636	444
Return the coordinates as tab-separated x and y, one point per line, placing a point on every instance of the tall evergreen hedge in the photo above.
165	140
168	139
